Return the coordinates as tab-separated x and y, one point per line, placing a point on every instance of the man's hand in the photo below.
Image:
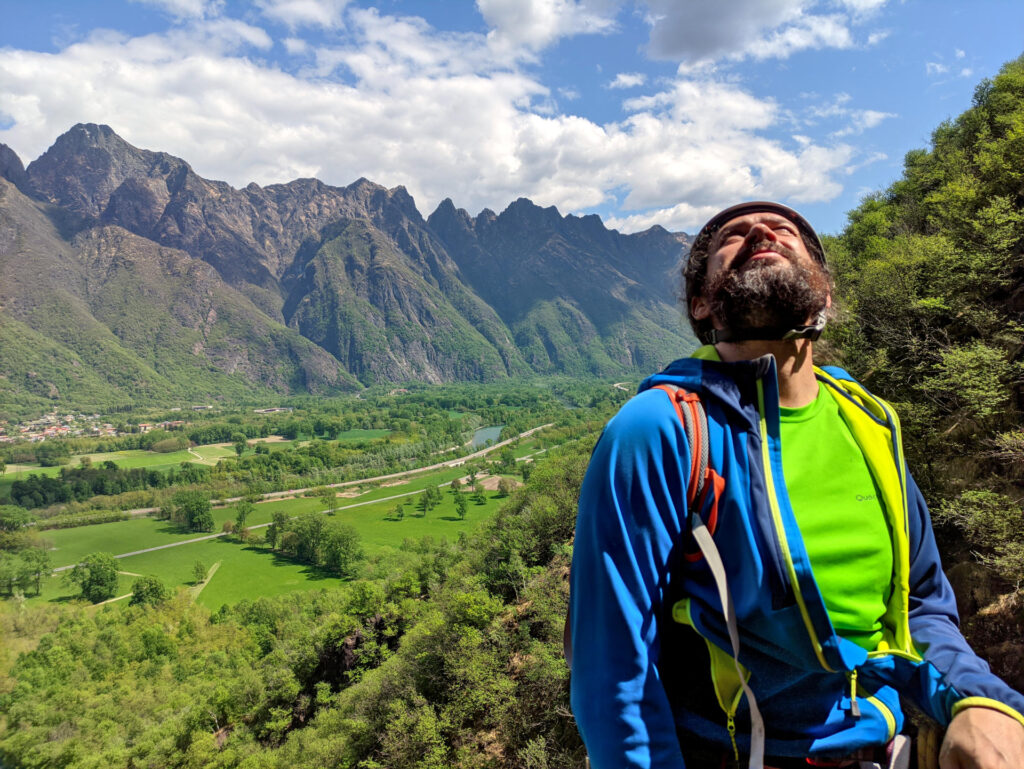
982	738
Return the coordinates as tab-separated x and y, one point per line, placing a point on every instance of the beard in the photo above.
769	294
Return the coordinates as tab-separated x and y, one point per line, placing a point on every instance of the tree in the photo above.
228	527
14	518
3	467
506	486
52	453
456	485
460	506
276	528
148	591
240	442
399	511
38	564
193	508
327	496
198	572
478	494
423	503
242	512
342	550
96	576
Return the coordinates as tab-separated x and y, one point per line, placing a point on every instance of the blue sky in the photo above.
642	111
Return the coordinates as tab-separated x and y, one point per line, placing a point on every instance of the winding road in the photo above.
277	494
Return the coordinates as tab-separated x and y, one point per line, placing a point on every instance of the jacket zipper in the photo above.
780	532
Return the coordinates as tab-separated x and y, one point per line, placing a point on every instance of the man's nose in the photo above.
759	232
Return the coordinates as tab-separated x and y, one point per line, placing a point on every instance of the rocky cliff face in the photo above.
334	283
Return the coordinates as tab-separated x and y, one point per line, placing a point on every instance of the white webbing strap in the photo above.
714	560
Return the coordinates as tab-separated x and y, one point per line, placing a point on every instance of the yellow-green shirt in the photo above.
840	516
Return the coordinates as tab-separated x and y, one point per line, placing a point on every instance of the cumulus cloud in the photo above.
711	30
304	13
535	24
187	9
628	80
935	68
398	102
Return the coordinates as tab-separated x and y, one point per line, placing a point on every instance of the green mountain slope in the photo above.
149	322
361	298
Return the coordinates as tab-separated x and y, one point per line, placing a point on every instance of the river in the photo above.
484	434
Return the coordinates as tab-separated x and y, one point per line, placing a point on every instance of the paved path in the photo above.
140	511
275	495
205	537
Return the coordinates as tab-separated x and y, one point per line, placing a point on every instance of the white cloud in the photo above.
857	120
862	8
862	120
960	54
535	24
187	9
442	113
304	13
569	94
877	37
295	46
628	80
935	68
966	72
713	30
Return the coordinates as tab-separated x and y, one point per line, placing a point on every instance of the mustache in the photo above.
744	254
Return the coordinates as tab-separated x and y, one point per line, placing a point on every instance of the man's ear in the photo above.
700	309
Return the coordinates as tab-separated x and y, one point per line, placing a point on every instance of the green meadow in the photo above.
251	570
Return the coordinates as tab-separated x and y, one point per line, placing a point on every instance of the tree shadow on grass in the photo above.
450	518
311	571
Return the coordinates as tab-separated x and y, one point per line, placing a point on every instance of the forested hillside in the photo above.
930	274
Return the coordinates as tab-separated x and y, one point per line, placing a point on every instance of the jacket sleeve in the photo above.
956	677
625	529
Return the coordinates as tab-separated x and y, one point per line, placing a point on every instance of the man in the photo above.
840	604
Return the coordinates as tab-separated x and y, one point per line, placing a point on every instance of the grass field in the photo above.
248	571
362	435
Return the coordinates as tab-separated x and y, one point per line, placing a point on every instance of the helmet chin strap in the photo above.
769	333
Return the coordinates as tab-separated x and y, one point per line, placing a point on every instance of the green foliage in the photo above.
52	453
96	577
928	275
193	510
149	591
199	571
243	509
14	518
990	524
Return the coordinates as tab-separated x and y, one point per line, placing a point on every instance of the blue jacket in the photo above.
651	662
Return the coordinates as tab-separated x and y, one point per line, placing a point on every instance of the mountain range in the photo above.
127	277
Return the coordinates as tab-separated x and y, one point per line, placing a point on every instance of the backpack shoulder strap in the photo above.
695	423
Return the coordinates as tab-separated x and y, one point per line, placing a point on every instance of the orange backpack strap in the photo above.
695	423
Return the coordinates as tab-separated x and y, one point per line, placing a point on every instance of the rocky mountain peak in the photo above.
85	165
12	169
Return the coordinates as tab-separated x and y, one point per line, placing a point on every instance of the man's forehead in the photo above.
743	222
756	217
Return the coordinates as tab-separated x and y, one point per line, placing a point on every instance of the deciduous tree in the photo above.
96	576
149	591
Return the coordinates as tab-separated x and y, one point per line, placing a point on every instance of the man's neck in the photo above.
794	359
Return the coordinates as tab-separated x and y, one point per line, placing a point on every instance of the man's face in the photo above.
760	273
